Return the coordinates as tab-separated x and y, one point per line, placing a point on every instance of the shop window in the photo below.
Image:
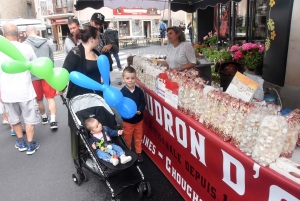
124	28
29	10
241	18
258	23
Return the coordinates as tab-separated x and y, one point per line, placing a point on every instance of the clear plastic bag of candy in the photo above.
271	135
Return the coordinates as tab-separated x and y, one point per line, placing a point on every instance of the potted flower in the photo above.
198	47
211	39
248	54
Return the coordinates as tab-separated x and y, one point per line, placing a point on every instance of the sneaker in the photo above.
120	69
53	125
140	158
125	159
32	147
44	120
12	133
21	145
114	161
5	121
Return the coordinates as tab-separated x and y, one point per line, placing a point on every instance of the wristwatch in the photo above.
180	69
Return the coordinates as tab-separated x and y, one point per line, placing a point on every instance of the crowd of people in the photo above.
23	94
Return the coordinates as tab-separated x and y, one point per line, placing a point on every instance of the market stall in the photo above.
201	163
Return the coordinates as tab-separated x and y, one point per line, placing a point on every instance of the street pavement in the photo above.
47	174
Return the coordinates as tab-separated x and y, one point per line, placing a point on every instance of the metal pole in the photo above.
218	26
233	17
169	14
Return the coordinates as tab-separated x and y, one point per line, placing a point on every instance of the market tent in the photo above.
96	4
176	5
191	6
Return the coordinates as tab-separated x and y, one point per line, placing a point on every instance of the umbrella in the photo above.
189	6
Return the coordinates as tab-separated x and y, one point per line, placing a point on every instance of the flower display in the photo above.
249	54
211	39
198	47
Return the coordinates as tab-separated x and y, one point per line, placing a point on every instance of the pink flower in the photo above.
247	46
238	55
210	34
261	48
255	46
205	37
234	48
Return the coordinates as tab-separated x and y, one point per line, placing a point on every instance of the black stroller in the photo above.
91	105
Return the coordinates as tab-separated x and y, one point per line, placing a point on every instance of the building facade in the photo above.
135	21
17	9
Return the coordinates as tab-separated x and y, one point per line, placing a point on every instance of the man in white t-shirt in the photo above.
18	94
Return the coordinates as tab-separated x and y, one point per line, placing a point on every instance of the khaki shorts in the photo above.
28	109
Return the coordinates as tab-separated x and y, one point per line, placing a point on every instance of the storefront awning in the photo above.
191	6
23	23
39	27
64	15
176	5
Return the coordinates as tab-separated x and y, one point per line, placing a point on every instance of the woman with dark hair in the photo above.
83	59
181	54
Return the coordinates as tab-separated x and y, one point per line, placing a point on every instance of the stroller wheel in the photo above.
76	179
148	189
83	176
140	190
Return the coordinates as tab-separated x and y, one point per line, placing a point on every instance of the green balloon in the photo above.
12	67
59	79
10	50
42	67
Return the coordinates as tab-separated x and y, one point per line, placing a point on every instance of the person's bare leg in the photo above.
29	132
41	106
18	129
51	106
52	109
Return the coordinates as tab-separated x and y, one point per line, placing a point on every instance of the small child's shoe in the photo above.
114	161
125	159
140	158
12	132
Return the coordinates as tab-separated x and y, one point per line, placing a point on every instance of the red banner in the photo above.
135	11
200	165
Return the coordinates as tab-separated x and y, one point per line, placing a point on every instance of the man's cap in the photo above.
98	17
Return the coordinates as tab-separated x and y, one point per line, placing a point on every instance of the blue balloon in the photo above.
127	108
112	96
84	81
104	68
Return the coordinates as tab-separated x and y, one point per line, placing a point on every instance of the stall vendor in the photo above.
181	54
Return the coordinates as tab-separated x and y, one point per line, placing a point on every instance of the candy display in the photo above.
240	122
256	128
223	112
228	127
293	120
250	131
272	133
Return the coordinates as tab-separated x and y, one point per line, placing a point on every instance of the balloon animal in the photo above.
112	96
42	67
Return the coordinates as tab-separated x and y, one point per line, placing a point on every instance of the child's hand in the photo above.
94	145
138	112
120	132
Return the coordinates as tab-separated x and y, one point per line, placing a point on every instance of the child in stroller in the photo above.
100	137
117	178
